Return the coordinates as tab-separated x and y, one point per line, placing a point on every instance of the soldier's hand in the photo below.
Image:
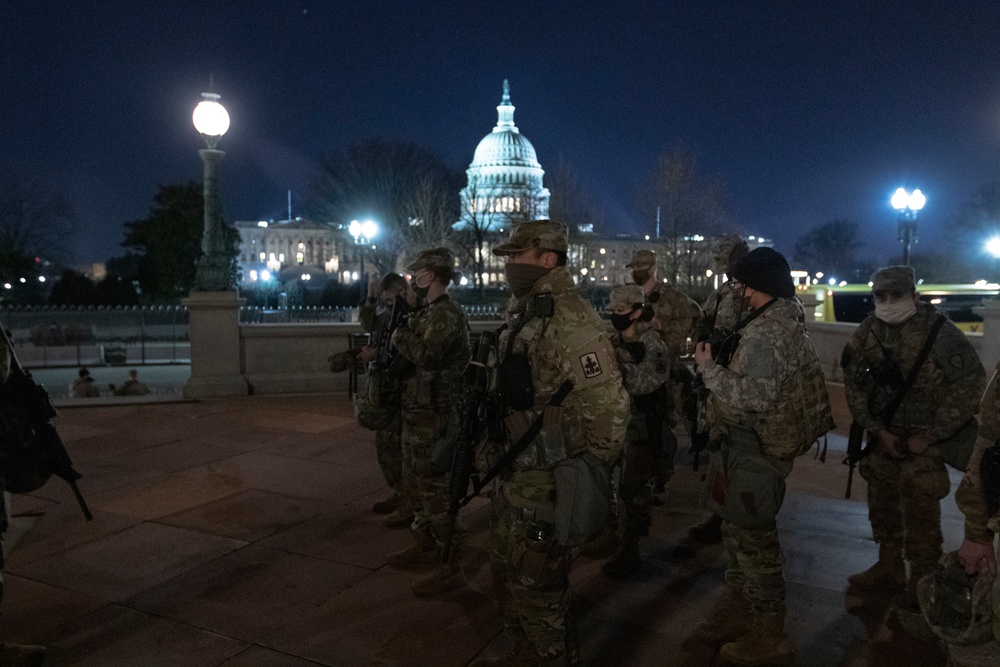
703	355
367	354
977	557
891	444
918	443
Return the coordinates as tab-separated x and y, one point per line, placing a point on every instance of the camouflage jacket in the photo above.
571	345
651	372
373	317
436	340
946	392
675	316
774	384
980	526
719	311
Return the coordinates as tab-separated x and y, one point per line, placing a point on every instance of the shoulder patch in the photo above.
591	365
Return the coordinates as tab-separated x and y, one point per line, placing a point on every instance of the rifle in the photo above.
855	452
385	352
41	453
477	377
693	394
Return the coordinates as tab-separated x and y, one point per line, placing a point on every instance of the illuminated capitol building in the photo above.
504	185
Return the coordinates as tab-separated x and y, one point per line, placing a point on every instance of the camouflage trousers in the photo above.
904	503
425	486
530	569
389	452
755	565
636	488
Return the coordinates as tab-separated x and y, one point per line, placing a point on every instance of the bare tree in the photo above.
394	183
570	203
477	230
34	221
689	204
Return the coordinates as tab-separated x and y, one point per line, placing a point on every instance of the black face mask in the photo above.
640	276
621	322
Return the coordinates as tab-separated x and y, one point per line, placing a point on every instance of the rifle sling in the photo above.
912	375
507	459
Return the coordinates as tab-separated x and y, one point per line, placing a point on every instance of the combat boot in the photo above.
709	532
520	652
888	572
399	517
626	561
731	620
765	644
447	577
423	551
21	655
388	505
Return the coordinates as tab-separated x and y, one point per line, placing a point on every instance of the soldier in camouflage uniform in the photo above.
374	314
774	388
15	655
554	337
720	311
978	496
675	316
645	366
436	341
905	472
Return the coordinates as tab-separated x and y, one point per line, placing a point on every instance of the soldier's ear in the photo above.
550	260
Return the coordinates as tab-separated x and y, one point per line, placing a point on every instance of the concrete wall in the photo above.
292	358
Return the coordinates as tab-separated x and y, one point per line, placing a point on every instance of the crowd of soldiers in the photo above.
584	442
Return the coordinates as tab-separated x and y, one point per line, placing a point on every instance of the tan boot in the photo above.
731	620
626	561
447	577
765	644
888	572
520	652
423	551
388	505
21	655
399	517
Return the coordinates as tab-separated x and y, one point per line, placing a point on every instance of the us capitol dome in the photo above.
504	181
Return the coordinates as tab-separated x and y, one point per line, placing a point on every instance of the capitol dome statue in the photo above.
504	181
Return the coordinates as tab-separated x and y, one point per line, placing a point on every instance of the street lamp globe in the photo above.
916	200
369	229
354	229
210	118
899	199
993	247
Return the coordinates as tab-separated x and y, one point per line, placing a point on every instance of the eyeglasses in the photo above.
734	284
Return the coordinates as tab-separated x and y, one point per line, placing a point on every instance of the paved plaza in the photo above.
238	532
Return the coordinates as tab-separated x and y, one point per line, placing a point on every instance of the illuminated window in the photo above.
300	256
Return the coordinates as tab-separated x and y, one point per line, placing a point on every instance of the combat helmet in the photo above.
957	606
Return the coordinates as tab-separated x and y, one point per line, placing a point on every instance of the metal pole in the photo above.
213	267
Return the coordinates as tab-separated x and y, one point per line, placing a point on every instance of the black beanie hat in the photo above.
766	270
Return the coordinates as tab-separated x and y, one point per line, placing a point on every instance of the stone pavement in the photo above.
238	532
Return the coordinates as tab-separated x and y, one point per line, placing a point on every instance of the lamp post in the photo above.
213	273
907	204
363	232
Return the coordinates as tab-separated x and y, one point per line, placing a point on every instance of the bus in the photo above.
853	303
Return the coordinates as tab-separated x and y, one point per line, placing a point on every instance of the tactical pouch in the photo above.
583	498
378	406
516	385
956	450
744	488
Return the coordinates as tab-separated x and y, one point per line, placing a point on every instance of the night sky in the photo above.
807	110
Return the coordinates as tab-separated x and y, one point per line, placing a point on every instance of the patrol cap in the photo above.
766	270
729	250
642	259
626	296
440	258
544	234
900	279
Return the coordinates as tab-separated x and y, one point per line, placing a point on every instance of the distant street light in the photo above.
993	247
363	233
212	121
907	205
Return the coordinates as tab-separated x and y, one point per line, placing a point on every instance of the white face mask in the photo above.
895	313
